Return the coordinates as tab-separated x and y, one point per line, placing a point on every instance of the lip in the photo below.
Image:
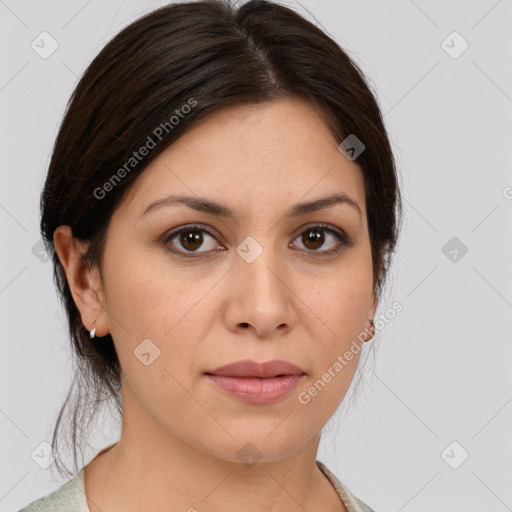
257	383
248	368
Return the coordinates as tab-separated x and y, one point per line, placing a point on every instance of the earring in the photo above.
92	333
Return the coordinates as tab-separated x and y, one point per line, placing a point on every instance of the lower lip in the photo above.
254	390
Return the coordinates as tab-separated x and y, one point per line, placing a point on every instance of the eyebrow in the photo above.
213	208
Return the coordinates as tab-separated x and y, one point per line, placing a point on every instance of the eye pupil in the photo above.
314	236
191	240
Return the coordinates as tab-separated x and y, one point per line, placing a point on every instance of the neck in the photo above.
151	467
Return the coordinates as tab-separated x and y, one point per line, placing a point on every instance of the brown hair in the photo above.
215	54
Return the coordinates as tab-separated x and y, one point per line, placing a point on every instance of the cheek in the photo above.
339	308
341	302
148	300
148	295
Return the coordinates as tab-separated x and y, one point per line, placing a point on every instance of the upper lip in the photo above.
248	368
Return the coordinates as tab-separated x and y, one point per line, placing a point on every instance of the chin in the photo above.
255	443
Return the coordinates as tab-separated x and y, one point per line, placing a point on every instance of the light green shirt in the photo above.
70	497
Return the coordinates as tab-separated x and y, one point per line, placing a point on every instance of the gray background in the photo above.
442	367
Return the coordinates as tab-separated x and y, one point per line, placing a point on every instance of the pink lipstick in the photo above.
257	383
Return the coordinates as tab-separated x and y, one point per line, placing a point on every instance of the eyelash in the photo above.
343	240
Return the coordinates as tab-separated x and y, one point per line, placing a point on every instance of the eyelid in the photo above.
191	227
321	225
344	241
186	227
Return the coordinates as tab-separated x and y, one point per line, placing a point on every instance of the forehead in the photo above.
275	153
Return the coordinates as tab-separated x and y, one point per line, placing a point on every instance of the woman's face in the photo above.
260	285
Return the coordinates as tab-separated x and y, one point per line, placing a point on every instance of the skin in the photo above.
181	434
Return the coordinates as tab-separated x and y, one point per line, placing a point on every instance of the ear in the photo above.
374	305
83	282
375	298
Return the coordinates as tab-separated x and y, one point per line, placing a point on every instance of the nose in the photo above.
260	295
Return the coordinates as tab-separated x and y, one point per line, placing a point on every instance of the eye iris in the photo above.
313	236
189	238
192	239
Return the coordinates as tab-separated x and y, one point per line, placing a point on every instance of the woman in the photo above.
221	207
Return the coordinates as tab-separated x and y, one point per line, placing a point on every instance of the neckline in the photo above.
346	497
78	482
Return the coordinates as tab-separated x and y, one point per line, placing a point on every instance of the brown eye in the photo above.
315	237
191	239
187	241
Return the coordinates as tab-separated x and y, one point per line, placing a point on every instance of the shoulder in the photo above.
69	497
351	502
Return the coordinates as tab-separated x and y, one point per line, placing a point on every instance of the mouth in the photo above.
257	383
248	368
